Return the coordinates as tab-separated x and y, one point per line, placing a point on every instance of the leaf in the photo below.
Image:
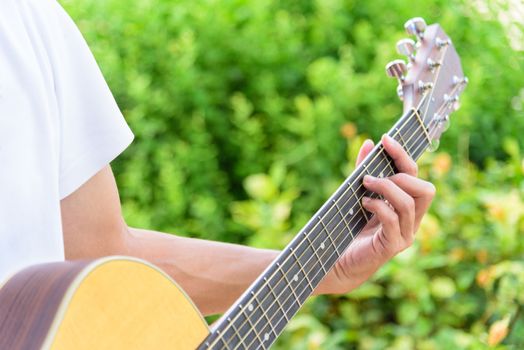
442	287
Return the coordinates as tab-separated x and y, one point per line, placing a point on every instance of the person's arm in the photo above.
215	274
212	273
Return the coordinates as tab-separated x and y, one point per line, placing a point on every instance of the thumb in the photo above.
366	147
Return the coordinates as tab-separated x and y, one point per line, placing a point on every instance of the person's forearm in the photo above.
213	274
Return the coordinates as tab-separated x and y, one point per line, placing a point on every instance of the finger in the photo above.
402	202
402	160
415	187
390	223
366	147
422	192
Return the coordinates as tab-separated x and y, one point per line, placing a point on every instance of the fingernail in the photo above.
368	179
387	138
365	200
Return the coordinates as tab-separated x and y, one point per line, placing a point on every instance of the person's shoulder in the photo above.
44	7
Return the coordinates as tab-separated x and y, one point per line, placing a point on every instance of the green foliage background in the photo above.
248	114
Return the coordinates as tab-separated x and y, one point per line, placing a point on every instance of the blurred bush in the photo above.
248	114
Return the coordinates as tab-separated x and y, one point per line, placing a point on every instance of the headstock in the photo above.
432	79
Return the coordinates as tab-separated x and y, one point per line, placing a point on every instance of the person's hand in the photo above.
392	228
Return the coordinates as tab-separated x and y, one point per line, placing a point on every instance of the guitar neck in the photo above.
263	311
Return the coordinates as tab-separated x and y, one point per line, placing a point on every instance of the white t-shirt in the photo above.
59	125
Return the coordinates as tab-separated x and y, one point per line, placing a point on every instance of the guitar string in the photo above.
389	163
380	152
444	106
231	321
417	148
350	236
284	311
316	225
308	260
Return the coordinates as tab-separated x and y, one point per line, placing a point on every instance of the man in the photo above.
59	130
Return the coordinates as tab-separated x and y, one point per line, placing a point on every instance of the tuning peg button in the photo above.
406	47
416	26
396	69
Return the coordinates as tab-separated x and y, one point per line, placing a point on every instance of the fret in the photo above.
278	298
350	205
272	309
231	336
419	119
293	272
301	267
381	166
400	138
346	221
236	338
339	227
293	292
291	303
267	305
364	212
331	223
390	168
266	326
315	253
343	216
321	244
247	325
408	132
266	336
221	344
249	338
277	301
329	230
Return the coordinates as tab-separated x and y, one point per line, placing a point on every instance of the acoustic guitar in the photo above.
125	303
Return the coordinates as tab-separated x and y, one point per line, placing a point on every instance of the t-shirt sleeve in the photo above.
92	129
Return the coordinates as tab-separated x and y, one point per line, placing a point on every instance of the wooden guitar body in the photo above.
111	303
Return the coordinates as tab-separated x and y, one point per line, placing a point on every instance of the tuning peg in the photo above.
422	86
406	47
416	26
432	64
453	100
457	80
442	43
400	92
396	69
443	122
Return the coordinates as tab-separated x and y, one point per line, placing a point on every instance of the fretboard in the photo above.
262	312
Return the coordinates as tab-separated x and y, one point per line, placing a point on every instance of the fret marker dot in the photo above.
351	211
322	245
250	307
295	278
266	336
